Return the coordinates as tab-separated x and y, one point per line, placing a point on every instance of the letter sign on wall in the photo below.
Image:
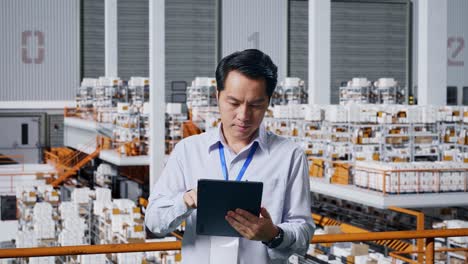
28	36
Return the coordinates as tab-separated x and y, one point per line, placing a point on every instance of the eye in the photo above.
256	105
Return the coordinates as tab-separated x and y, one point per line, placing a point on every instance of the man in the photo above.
245	82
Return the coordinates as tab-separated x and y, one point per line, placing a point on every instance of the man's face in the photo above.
242	105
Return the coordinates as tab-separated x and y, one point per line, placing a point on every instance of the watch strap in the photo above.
276	241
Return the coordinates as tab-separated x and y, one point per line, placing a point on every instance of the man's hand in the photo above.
253	227
190	199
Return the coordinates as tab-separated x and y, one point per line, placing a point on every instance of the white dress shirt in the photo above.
278	162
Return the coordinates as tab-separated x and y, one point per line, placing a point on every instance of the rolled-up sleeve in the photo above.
166	208
297	222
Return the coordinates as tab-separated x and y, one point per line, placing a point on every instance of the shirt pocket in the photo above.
273	197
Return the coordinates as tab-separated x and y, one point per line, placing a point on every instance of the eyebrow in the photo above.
232	98
260	100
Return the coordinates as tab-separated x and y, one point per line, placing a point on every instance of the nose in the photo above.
243	113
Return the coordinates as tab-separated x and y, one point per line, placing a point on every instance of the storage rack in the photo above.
84	98
144	130
174	125
202	92
126	130
366	141
362	91
357	91
138	92
450	148
293	90
389	92
425	142
396	143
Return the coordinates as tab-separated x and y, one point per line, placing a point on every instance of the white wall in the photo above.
457	44
39	50
260	24
457	54
8	230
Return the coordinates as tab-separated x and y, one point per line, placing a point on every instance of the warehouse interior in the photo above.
96	94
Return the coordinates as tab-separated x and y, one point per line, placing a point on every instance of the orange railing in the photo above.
419	225
67	165
75	157
397	245
428	235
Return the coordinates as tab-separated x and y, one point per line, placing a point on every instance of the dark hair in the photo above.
252	63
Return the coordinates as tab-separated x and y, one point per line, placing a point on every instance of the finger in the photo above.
193	195
247	215
264	213
243	230
240	218
187	200
240	221
191	203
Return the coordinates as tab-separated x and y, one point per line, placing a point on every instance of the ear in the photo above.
217	95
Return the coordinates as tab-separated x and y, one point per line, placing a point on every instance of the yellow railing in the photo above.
428	235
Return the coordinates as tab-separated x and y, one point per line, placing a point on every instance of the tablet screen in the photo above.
217	197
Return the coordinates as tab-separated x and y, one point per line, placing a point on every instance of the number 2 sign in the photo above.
455	46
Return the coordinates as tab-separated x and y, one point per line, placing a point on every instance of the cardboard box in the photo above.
341	173
359	249
316	168
332	230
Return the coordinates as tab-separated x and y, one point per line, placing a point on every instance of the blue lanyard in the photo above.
244	167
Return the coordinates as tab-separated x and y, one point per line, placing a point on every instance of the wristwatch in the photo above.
276	241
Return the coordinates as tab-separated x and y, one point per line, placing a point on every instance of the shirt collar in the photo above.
216	136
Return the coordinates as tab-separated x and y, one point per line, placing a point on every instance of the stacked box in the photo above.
102	209
26	193
130	258
314	113
68	210
363	113
138	92
103	195
341	173
316	168
42	260
449	114
451	224
92	259
202	92
26	239
428	182
401	177
80	195
135	231
104	174
43	210
119	221
44	227
336	114
70	237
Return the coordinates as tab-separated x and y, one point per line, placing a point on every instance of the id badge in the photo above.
224	250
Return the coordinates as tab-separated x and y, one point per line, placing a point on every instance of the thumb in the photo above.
264	213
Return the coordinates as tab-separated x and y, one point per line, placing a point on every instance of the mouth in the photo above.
242	128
